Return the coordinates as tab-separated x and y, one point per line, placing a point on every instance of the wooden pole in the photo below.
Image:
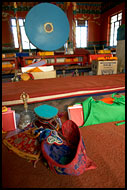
95	49
18	28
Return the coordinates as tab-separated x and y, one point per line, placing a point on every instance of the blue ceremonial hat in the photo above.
45	111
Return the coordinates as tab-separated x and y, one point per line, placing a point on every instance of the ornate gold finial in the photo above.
15	5
24	97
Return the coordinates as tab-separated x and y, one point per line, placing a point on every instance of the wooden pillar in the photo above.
70	19
18	28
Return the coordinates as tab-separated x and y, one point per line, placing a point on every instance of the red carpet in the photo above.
57	88
105	145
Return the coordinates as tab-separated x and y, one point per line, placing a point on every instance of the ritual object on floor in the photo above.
27	116
75	113
100	111
47	117
8	119
24	144
65	156
88	112
16	77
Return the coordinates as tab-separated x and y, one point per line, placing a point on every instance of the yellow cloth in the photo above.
36	69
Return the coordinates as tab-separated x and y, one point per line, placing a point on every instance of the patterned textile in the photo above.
24	144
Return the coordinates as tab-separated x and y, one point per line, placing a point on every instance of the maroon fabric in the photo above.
44	87
71	132
80	162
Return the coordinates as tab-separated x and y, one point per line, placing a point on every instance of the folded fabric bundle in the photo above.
24	144
97	111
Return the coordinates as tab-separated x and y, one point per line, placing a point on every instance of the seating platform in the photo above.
58	88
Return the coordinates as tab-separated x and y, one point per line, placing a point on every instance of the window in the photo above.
81	33
24	40
14	31
115	22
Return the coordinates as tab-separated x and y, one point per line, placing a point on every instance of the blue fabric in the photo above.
44	133
62	154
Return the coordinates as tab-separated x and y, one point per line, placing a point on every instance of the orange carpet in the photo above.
105	145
